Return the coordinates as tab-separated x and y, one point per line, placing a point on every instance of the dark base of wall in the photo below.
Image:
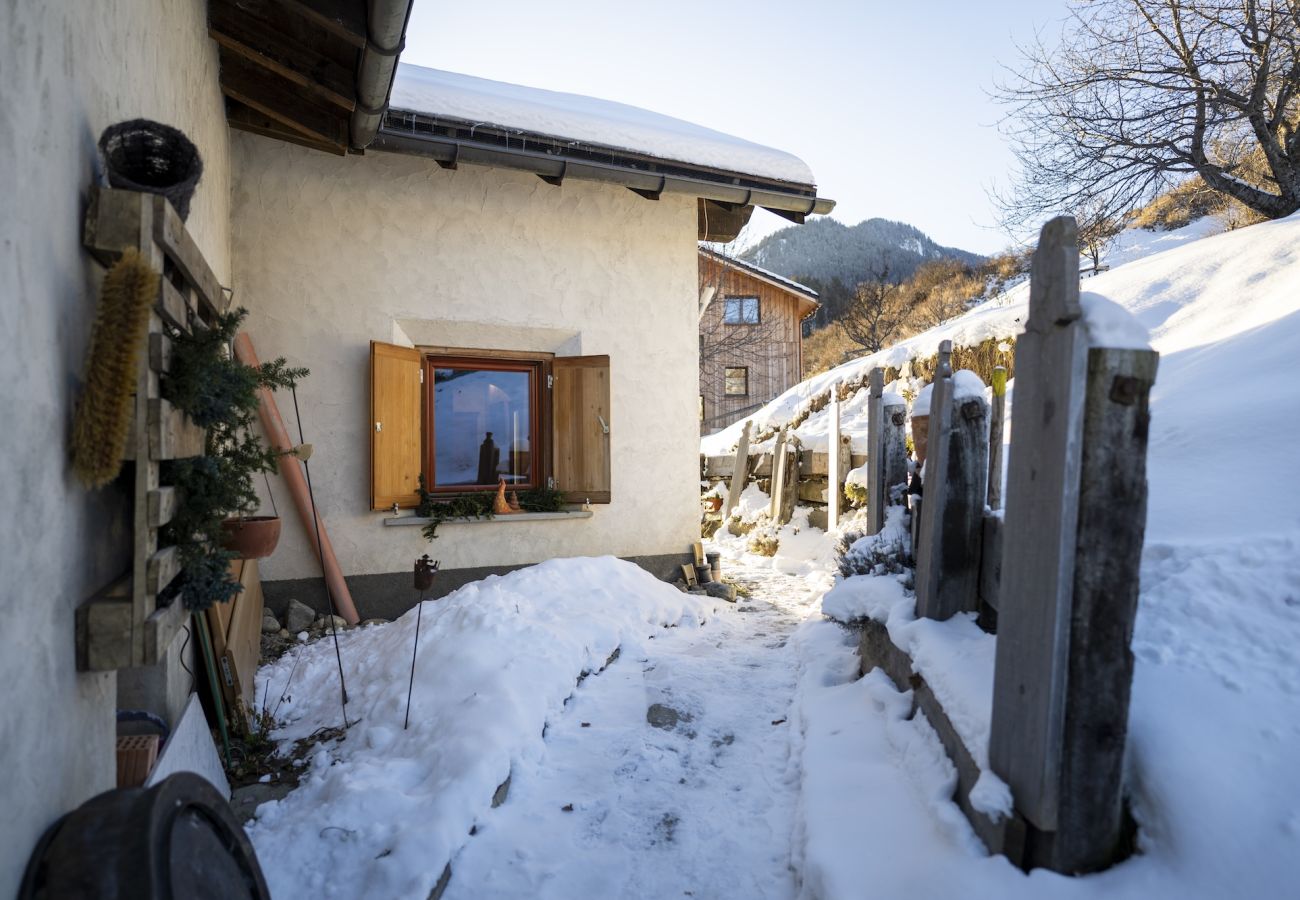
389	595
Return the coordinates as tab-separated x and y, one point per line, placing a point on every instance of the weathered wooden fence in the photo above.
793	475
1056	573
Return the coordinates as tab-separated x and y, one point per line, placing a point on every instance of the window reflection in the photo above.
482	426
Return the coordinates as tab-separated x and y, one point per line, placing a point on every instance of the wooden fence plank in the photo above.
834	488
739	472
162	505
953	520
777	487
934	481
894	422
1039	531
1112	522
876	499
997	416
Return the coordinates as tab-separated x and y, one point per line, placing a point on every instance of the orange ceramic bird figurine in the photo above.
501	506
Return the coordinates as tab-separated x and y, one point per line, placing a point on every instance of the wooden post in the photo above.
894	422
779	475
934	480
996	419
834	480
952	518
1039	531
877	498
1112	522
785	493
739	474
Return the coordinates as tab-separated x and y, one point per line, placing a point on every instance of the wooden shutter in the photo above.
580	422
395	425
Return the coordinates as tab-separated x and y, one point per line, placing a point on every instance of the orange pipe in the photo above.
292	472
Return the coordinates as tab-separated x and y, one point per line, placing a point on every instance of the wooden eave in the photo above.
289	67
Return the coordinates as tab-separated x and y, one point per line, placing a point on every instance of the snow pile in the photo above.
381	812
1214	726
586	120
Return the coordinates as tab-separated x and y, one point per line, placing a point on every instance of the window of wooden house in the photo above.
736	381
740	311
464	422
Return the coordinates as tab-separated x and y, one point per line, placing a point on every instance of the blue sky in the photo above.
887	101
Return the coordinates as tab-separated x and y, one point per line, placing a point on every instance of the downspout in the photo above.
386	37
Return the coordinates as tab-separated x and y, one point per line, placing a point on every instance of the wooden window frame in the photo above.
741	298
539	434
725	370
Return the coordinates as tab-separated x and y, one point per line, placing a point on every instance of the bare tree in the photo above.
1097	230
874	316
1142	93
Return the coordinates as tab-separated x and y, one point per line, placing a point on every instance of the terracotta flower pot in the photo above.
252	537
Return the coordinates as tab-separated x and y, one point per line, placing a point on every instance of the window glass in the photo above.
740	311
737	382
482	425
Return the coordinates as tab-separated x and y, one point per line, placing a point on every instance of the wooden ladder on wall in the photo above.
124	626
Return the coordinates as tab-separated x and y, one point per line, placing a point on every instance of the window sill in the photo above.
404	520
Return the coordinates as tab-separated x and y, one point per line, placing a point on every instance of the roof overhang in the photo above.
451	143
311	72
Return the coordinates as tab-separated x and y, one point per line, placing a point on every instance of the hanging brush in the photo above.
102	423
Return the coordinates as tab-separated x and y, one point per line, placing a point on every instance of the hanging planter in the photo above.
142	155
250	537
212	523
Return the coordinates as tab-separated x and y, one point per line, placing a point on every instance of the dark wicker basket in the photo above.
142	155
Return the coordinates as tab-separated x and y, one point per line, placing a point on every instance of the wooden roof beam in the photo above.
241	33
244	118
345	19
278	102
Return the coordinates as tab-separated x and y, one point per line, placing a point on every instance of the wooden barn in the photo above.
751	337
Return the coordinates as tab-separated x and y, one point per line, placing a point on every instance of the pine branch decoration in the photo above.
102	423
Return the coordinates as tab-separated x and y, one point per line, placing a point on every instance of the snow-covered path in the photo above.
669	774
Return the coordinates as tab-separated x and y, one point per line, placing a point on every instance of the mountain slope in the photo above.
825	249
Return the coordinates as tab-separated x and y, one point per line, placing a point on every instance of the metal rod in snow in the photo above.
329	595
425	569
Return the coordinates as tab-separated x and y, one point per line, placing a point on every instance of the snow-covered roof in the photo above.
780	281
588	121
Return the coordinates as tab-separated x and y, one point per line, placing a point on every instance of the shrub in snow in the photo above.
887	553
763	539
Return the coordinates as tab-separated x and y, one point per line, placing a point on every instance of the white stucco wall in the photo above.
331	253
68	68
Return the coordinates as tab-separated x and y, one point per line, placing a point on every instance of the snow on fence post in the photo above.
1108	552
834	478
876	499
739	473
996	419
956	475
1039	532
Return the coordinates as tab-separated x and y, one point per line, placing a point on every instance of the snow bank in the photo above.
1214	724
586	120
381	812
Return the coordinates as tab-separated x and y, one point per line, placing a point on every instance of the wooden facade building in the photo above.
751	347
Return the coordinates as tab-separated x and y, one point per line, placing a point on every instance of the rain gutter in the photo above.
555	167
385	39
